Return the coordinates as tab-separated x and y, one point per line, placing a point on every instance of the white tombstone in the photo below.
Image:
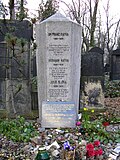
58	60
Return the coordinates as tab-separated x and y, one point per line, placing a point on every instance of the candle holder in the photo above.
42	155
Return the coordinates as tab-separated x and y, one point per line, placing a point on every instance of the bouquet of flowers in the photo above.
83	151
94	151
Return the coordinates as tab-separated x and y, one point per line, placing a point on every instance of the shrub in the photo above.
17	129
112	89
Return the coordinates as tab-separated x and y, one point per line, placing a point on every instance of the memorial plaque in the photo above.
58	63
58	114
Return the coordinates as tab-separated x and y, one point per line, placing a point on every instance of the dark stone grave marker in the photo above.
92	69
3	59
92	63
115	65
20	73
20	29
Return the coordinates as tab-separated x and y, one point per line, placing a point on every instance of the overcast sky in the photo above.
114	6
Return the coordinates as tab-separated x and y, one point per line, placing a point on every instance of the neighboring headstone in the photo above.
58	61
20	29
3	74
2	94
17	77
3	55
92	63
22	98
92	71
115	65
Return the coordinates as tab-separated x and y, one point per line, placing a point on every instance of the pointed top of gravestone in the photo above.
97	50
56	17
116	52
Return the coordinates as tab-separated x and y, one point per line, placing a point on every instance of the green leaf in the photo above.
117	140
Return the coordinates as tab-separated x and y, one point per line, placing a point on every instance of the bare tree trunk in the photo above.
84	12
12	9
93	21
22	10
10	105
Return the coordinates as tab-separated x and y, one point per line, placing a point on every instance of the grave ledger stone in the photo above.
58	64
